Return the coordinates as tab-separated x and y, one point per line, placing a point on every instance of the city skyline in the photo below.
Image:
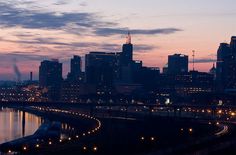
116	77
32	32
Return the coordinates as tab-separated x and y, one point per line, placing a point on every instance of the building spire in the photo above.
128	38
193	60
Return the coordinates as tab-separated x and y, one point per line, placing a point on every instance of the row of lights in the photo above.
151	138
190	130
94	130
85	148
220	112
95	148
78	114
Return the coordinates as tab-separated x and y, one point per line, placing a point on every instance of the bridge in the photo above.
135	110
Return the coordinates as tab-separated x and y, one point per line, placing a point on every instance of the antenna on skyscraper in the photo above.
193	60
128	38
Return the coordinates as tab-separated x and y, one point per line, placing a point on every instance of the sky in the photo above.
33	30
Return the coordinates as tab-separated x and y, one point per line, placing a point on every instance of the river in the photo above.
16	124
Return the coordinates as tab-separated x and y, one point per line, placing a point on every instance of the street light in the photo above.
95	148
24	148
152	138
190	130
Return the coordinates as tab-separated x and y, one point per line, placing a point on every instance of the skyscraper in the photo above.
226	66
31	76
75	69
127	52
126	61
50	77
101	68
233	44
177	64
75	65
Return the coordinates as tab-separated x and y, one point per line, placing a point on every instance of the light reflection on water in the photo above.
16	124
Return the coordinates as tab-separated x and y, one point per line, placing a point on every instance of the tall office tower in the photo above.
75	69
50	77
75	65
233	44
223	54
177	64
31	76
127	52
226	66
101	68
126	61
232	65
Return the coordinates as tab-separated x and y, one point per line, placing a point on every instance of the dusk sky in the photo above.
33	30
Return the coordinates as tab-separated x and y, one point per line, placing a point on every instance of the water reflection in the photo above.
16	124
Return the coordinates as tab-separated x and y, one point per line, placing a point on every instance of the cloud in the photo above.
115	31
20	56
61	2
203	60
70	22
144	48
73	45
16	17
84	4
11	16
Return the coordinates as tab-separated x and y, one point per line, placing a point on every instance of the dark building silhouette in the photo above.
75	65
70	91
194	82
148	77
31	76
126	64
116	74
223	57
75	69
165	69
186	84
226	66
50	77
127	52
101	68
213	71
103	71
177	64
73	87
233	44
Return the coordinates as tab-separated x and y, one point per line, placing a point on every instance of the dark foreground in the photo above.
150	135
